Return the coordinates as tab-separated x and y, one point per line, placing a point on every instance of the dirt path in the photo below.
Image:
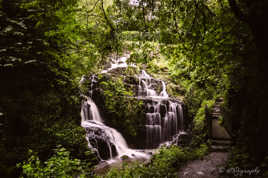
209	167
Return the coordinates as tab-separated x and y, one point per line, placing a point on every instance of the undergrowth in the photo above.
164	164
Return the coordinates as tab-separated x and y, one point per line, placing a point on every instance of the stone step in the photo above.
216	109
215	112
220	148
221	142
216	115
218	131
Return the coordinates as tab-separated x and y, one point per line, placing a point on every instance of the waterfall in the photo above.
164	91
163	117
98	131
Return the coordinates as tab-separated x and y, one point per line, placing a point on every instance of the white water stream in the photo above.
91	119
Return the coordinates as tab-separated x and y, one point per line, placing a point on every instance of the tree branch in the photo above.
91	10
106	17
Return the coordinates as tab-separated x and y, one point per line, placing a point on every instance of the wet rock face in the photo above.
163	110
183	139
102	168
99	140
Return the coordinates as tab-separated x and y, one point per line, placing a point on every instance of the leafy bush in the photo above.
200	152
199	119
124	110
58	165
165	163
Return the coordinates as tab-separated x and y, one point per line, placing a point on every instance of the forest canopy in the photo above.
205	49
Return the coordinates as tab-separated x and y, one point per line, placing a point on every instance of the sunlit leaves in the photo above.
59	165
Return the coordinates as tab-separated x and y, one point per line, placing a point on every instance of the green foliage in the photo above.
118	101
199	119
143	52
39	70
200	152
168	161
60	164
97	20
165	163
199	82
115	89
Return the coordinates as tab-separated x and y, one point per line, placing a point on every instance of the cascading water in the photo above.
164	91
120	62
98	132
164	117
